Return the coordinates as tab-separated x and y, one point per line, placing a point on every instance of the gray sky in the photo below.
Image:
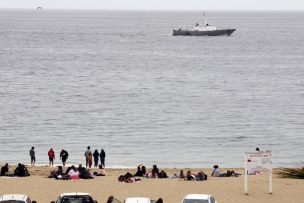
158	4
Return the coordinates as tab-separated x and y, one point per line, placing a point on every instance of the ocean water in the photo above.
120	81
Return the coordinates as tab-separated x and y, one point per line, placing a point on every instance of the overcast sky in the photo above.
158	4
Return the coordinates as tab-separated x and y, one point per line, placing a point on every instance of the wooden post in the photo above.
270	174
246	175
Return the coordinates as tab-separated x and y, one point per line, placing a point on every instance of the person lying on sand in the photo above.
200	176
216	172
128	178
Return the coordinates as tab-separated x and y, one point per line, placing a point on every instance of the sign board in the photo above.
255	163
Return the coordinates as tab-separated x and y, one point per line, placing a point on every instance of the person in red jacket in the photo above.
51	155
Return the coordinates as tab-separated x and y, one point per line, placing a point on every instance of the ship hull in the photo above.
227	32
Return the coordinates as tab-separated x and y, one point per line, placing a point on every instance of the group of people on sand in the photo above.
96	155
74	173
19	171
142	172
189	176
51	154
154	173
200	176
64	155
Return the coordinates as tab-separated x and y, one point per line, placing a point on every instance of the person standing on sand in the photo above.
96	157
32	155
64	155
90	159
51	155
102	158
88	155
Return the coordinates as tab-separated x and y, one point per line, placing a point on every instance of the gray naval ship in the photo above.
203	30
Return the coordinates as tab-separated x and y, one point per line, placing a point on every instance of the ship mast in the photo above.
205	19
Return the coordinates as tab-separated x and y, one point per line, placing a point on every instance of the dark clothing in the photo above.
32	153
141	171
21	171
155	169
84	174
96	157
201	176
51	160
189	177
4	170
102	158
162	174
57	174
64	155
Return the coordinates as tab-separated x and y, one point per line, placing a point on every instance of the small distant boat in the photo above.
39	8
201	30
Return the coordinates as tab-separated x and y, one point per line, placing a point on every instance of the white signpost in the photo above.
255	163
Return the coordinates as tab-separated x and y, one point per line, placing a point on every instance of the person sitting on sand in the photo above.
59	172
73	173
141	171
101	171
201	176
152	174
4	170
58	175
84	173
190	176
155	169
21	171
181	174
162	174
216	171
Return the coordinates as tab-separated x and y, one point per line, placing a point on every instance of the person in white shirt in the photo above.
216	171
73	173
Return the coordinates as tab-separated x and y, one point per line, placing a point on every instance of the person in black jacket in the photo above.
96	157
141	171
4	170
21	171
64	156
102	157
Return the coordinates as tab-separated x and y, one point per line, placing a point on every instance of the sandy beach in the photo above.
225	190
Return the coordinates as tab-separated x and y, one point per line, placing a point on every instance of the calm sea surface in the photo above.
119	80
